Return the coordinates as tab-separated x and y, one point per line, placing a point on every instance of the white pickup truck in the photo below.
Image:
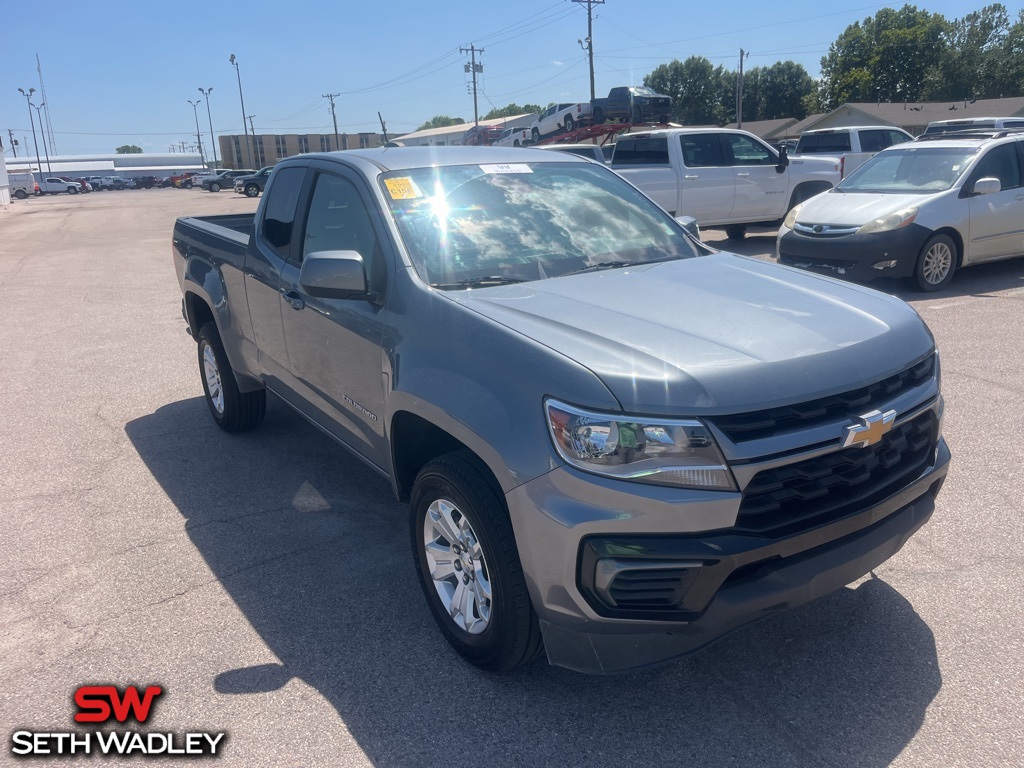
513	137
851	145
721	177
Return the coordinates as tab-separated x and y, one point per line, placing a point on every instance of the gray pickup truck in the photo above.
616	444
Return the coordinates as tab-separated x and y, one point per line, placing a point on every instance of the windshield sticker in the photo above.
506	168
402	188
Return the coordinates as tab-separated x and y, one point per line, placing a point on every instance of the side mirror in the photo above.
987	186
334	275
690	225
783	160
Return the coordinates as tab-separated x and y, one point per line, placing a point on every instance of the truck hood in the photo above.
853	209
714	334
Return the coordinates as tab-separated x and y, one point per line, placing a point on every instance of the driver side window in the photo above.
338	220
747	152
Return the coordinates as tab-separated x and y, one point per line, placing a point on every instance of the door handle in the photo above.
691	178
744	175
294	299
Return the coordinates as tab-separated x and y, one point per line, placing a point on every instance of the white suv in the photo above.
920	210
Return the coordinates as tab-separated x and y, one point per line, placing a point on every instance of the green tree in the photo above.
886	57
441	121
695	86
129	149
512	110
976	59
782	88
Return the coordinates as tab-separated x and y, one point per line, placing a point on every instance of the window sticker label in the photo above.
506	168
402	188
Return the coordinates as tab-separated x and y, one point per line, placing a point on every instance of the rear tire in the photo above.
936	263
215	187
21	194
468	565
232	410
736	231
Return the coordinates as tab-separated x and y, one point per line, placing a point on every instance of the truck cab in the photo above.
721	177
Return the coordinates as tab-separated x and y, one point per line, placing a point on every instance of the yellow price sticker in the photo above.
402	188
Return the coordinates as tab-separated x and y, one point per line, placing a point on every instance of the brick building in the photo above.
237	152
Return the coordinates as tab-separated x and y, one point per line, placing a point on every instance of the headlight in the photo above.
891	221
790	219
676	452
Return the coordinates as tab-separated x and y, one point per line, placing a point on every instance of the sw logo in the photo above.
96	703
102	704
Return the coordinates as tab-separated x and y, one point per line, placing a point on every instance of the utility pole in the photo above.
588	44
331	97
42	95
255	146
739	90
248	147
199	136
14	142
474	68
46	152
32	120
213	139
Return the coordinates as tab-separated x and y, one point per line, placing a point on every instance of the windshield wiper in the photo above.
476	282
605	265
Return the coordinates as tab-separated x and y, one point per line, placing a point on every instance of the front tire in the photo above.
468	565
187	185
570	124
232	410
535	134
936	263
72	190
736	231
252	190
598	116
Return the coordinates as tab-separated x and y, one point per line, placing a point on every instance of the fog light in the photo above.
884	264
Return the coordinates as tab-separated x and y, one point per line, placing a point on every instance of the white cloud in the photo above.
558	63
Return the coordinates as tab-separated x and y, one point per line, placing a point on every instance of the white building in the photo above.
127	166
5	189
453	135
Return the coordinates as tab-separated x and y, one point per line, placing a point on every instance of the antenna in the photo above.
46	107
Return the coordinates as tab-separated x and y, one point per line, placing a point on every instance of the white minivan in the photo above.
918	210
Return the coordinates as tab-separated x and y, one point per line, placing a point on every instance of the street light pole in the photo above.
45	150
213	139
32	120
248	148
199	136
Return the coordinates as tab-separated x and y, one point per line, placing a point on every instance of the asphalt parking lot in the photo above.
264	580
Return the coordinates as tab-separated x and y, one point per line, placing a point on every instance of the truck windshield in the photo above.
473	225
914	170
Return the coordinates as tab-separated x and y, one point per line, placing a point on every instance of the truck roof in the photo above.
844	128
399	158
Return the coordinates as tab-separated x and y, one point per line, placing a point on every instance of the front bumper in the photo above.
854	256
738	579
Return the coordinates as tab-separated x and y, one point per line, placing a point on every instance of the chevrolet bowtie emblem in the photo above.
871	429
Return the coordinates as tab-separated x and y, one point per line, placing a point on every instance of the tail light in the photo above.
842	167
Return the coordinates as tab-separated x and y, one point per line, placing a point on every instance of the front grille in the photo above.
772	421
649	589
829	487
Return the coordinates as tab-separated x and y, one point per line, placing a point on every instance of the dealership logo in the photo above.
108	705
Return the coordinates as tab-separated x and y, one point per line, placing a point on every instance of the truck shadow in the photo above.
314	551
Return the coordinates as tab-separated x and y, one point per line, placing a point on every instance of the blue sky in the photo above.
122	72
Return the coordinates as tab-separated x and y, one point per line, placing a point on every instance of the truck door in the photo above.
762	193
335	346
707	185
270	246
